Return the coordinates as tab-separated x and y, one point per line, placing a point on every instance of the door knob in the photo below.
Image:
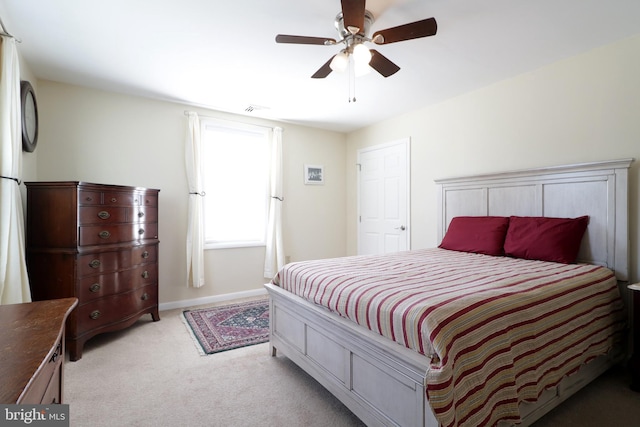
401	228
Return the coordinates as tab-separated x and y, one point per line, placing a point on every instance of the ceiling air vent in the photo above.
252	107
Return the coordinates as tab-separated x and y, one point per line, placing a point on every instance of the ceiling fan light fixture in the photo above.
360	70
340	62
361	55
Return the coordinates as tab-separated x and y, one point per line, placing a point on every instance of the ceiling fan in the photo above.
353	25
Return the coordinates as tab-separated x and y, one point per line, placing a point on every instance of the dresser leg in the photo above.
634	365
155	315
75	349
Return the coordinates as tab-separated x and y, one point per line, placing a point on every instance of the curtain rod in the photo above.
7	33
186	113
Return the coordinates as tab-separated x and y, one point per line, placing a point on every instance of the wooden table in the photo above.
32	349
634	362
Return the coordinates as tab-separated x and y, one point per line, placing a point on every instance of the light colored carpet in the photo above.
152	375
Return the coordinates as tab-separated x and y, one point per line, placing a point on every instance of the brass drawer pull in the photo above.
145	274
95	287
141	231
113	200
104	234
144	296
95	314
94	264
140	214
104	215
89	199
145	254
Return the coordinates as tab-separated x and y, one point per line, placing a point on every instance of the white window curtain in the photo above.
195	221
274	255
14	281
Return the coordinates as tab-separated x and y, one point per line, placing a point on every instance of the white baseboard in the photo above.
211	300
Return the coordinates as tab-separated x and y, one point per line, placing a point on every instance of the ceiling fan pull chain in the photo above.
354	89
352	79
349	80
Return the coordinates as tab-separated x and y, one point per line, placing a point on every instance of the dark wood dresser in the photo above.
98	243
32	348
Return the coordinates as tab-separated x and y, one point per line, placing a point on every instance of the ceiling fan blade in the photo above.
323	71
413	30
353	15
382	64
283	38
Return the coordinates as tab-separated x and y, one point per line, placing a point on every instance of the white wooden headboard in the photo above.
595	189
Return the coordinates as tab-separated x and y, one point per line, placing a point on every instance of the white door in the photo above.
383	198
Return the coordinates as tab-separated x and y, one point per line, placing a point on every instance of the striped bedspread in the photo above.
499	331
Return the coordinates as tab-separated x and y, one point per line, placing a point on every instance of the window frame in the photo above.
236	127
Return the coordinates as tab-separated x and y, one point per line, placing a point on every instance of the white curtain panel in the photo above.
274	255
14	281
195	221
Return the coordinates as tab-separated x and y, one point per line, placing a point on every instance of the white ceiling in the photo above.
222	54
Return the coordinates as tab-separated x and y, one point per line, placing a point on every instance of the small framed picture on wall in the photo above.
313	174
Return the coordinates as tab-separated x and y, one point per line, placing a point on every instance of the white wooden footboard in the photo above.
380	381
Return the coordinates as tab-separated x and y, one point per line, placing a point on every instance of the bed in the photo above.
330	317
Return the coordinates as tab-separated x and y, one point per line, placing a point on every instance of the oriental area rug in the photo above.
226	327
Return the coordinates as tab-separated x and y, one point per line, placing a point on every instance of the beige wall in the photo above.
583	109
103	137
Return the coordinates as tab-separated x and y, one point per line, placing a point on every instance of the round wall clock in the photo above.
29	111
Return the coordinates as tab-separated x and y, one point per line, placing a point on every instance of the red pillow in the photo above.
478	234
544	238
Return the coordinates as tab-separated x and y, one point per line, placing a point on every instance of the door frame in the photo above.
406	142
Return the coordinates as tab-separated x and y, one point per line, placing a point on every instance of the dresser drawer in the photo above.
150	199
45	386
145	274
107	234
53	394
104	215
101	285
110	261
89	197
146	214
108	198
143	254
147	231
115	308
117	198
104	262
111	234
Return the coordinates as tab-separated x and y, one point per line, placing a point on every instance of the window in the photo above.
235	165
